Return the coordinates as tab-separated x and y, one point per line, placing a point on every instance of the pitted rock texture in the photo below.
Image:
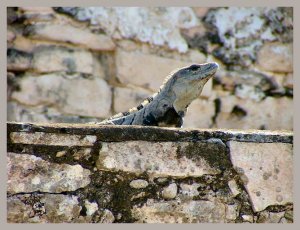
27	174
268	172
74	173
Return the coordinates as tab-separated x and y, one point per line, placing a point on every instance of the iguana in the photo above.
168	106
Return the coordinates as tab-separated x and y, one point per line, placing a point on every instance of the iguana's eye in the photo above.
194	67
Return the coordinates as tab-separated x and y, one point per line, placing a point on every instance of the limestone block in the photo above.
268	168
57	58
59	139
127	98
71	34
145	70
247	114
199	211
199	114
28	173
276	57
76	95
155	158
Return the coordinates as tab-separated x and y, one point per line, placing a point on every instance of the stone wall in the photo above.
84	64
80	173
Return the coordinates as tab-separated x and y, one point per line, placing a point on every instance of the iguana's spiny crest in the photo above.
169	105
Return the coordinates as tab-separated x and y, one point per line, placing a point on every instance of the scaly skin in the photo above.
168	107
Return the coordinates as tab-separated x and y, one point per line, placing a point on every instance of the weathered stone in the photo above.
231	79
247	218
150	71
76	95
169	192
289	215
267	167
276	57
247	114
199	114
156	158
49	59
187	212
157	26
41	138
37	14
231	212
28	173
10	36
91	207
288	81
139	183
275	217
189	190
17	211
42	208
249	92
234	187
201	11
107	217
18	60
71	34
127	98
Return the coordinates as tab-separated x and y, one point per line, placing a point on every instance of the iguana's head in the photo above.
187	83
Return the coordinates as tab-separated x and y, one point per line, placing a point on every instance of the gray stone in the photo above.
28	173
42	208
268	169
52	139
139	183
18	60
186	212
169	192
189	190
91	207
159	159
107	217
47	59
234	187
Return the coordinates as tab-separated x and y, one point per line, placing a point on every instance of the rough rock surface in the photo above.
27	174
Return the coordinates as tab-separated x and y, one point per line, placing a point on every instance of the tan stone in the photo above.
53	58
186	212
18	60
199	114
127	98
68	33
201	11
155	158
266	114
138	184
276	57
169	192
268	169
76	95
28	173
147	71
60	139
288	81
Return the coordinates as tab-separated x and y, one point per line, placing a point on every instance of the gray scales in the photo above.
167	107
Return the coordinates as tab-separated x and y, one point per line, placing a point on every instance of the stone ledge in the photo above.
135	174
143	133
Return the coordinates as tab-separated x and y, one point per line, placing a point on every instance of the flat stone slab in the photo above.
268	172
155	158
28	173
